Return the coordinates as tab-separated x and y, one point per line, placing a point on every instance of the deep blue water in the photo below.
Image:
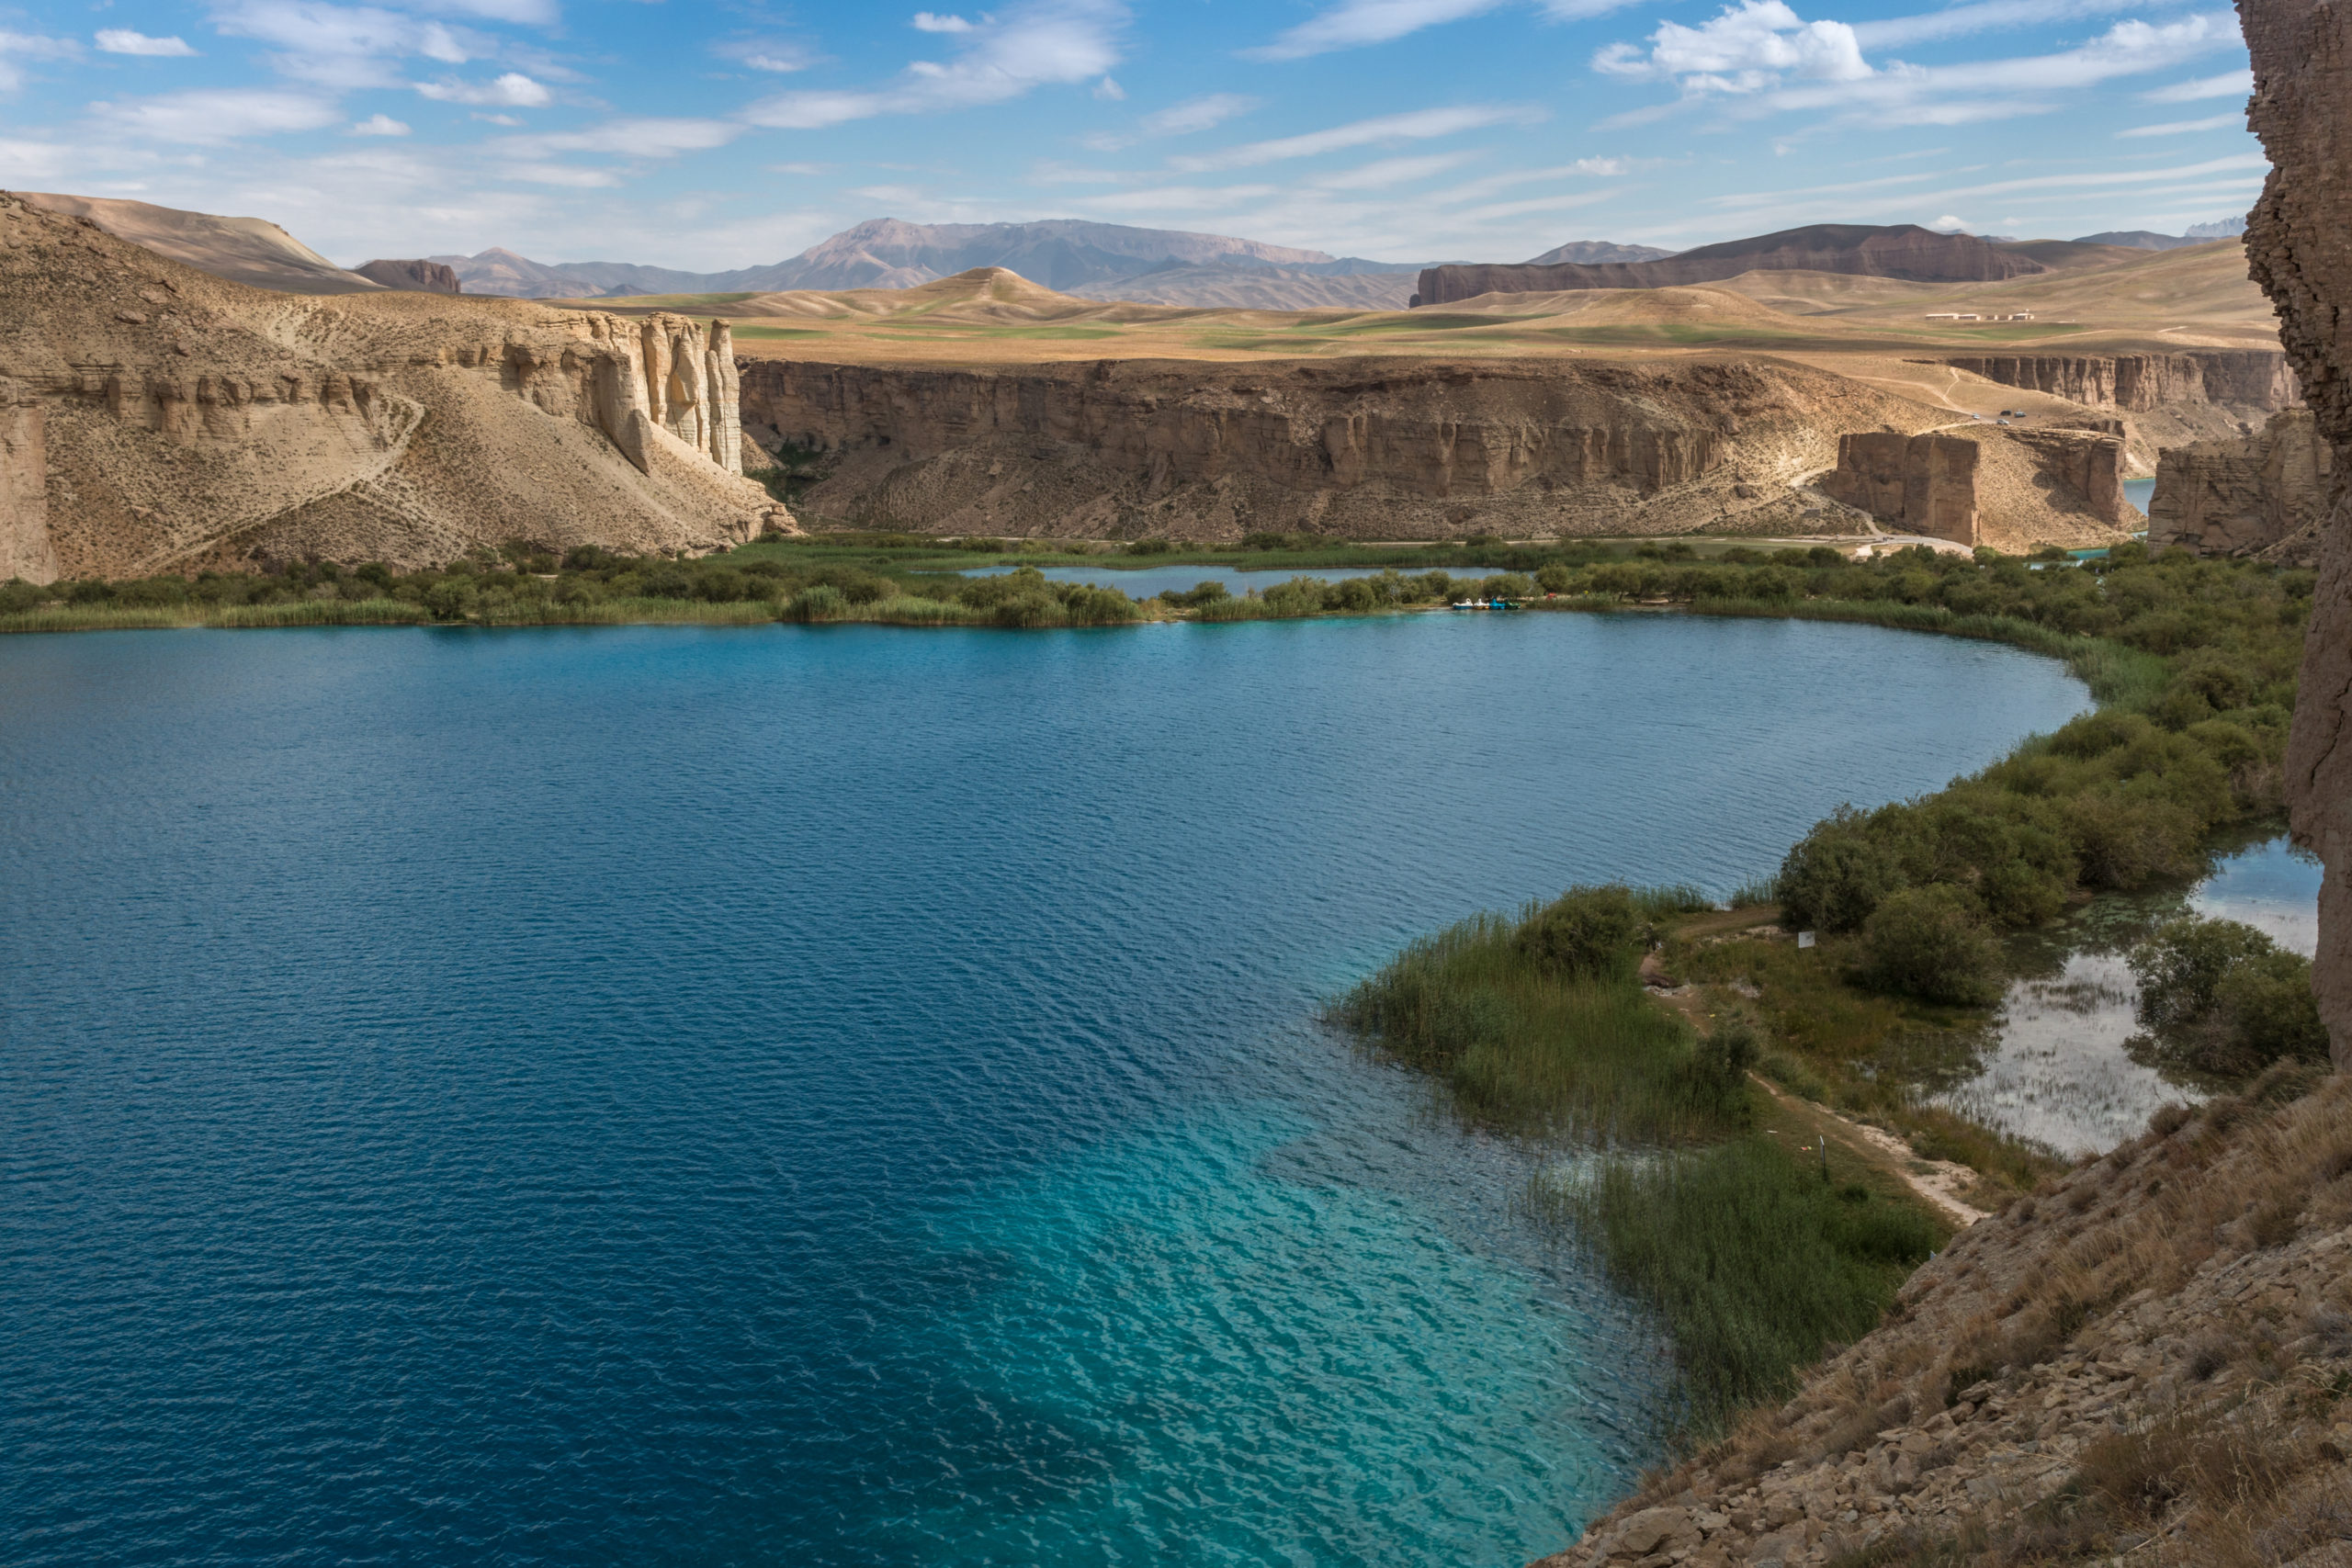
835	1096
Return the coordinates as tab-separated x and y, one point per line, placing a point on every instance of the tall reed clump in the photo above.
1754	1259
1538	1025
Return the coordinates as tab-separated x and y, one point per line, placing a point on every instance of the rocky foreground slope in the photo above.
153	418
2149	1361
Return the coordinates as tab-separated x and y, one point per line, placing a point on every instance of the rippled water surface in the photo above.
834	1095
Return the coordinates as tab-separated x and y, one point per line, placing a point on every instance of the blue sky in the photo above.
709	136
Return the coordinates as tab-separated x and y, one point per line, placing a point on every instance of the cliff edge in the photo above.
155	418
2302	110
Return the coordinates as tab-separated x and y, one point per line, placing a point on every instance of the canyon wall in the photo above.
1916	484
1377	449
2302	109
166	420
2244	495
2242	379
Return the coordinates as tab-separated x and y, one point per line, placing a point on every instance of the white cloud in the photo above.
1351	24
1197	114
563	175
1610	166
344	46
24	162
2182	126
926	22
379	125
211	115
1042	43
122	41
779	55
2228	85
1392	172
630	138
1752	46
1412	126
1758	57
1987	16
1949	224
1110	91
32	47
512	90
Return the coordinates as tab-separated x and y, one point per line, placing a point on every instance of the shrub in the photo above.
1585	931
821	602
1837	875
1930	942
2222	998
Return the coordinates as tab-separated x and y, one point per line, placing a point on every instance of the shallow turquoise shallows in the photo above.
796	1096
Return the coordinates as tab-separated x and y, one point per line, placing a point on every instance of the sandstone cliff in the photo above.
167	418
1363	449
2241	378
2302	110
1918	484
2146	1362
1901	250
2245	495
417	277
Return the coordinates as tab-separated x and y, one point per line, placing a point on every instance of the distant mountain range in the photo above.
1091	261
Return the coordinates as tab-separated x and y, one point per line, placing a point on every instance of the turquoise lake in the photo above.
837	1096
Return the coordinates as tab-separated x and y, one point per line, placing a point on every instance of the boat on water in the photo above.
1485	604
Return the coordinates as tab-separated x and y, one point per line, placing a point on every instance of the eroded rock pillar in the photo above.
24	548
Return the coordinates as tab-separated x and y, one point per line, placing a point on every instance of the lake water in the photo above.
2139	493
2058	1067
836	1096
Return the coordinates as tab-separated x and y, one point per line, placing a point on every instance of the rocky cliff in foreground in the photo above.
2150	1361
155	418
2261	494
2302	110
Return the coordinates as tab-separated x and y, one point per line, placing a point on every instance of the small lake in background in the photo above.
838	1095
2055	1067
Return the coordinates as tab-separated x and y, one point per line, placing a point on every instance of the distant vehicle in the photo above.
2000	422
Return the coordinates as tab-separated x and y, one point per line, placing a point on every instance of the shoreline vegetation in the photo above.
1639	1027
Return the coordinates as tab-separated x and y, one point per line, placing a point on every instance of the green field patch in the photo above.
779	332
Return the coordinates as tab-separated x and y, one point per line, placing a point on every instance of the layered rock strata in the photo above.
1903	251
2138	383
1380	449
2243	495
167	420
2302	109
1918	484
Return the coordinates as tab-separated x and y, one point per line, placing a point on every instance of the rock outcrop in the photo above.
2257	378
1365	449
2243	495
2148	1363
2303	111
1903	251
1917	484
1378	449
415	276
166	420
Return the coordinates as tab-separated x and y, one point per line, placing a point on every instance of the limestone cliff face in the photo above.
153	418
2244	495
2302	110
2140	383
1381	450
